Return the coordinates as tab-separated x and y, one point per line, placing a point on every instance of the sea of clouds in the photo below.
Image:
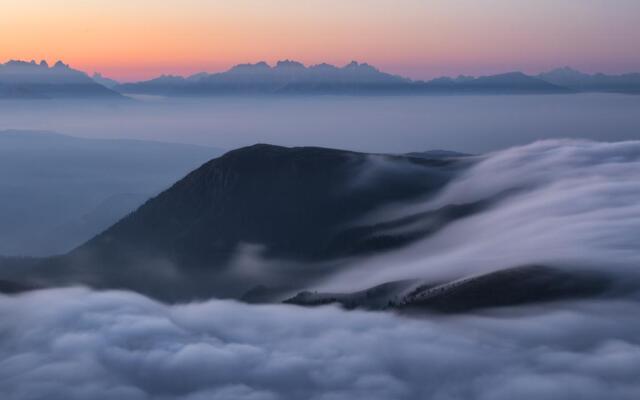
569	204
564	203
82	344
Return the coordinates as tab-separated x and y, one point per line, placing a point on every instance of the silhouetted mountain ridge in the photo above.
292	77
264	222
289	199
285	77
511	82
31	80
580	81
298	206
508	287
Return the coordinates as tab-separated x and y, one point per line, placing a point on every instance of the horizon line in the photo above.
95	71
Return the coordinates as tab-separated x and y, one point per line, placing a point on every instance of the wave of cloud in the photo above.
79	344
570	204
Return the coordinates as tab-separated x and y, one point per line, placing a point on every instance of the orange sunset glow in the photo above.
421	39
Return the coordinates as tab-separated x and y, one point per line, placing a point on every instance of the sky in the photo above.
138	39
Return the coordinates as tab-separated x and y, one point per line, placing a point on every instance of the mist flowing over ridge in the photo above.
295	203
574	206
291	219
320	200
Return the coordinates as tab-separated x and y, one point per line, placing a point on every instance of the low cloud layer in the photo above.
393	124
576	205
570	204
79	344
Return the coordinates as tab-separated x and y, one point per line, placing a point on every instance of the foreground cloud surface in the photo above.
120	345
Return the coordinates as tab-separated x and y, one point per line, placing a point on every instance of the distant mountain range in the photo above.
291	77
31	80
295	204
581	82
263	223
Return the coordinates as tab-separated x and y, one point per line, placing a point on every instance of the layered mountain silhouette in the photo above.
580	81
286	77
31	80
291	77
508	83
264	222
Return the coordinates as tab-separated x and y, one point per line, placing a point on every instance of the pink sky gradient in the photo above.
140	39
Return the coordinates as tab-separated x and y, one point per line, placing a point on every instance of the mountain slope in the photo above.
300	209
104	81
288	198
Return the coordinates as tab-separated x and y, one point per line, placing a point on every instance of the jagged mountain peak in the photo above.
260	66
290	64
360	66
22	79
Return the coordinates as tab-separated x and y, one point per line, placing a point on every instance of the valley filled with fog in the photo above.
387	124
183	271
320	200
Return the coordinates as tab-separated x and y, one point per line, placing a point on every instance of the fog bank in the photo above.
565	203
373	124
119	345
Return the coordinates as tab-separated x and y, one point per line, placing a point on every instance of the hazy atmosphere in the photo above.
324	200
416	38
376	124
